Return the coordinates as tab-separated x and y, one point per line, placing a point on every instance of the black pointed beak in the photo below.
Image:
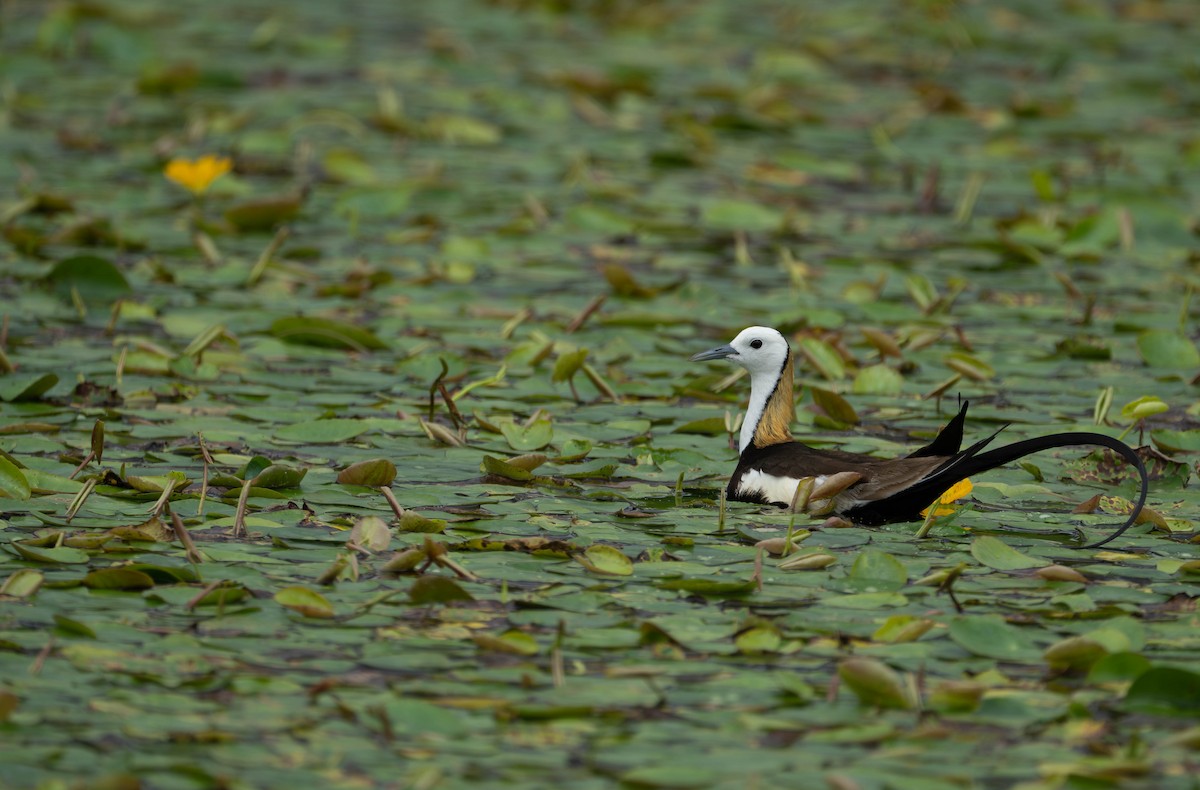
720	352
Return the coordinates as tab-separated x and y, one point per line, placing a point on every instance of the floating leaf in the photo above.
325	333
668	777
1059	573
902	628
877	570
956	696
223	596
1121	667
568	364
437	589
1165	690
333	431
730	214
371	532
824	358
72	627
875	683
374	473
708	426
95	279
624	284
9	702
61	554
878	380
715	587
1074	652
461	130
526	437
26	386
415	522
13	483
997	554
835	406
573	450
278	476
517	643
990	636
22	583
118	579
1177	441
405	561
812	561
264	213
501	468
309	603
1163	349
970	366
348	166
605	559
761	639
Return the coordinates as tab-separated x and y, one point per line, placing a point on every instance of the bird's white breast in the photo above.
774	488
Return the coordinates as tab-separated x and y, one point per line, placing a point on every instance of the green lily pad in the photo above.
13	483
997	554
374	473
437	589
526	438
990	636
333	431
1162	349
1165	690
95	279
26	386
118	579
309	603
325	333
605	559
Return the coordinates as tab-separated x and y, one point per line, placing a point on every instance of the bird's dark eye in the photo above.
755	344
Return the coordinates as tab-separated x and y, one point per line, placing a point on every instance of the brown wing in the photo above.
881	477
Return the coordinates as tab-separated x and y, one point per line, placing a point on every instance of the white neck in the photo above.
761	387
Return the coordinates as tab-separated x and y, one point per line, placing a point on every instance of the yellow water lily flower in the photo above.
196	175
955	493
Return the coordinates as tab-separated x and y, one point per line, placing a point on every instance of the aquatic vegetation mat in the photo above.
348	437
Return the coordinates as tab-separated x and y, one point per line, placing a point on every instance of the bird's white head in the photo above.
764	352
759	349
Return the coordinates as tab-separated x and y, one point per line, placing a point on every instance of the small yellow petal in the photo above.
953	494
196	176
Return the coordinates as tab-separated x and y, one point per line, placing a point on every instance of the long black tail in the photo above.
1012	452
906	505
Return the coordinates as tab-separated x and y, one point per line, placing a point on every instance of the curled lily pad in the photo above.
26	386
22	583
526	437
13	483
606	559
371	532
415	522
118	579
325	333
374	473
875	683
278	476
519	468
309	603
263	213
